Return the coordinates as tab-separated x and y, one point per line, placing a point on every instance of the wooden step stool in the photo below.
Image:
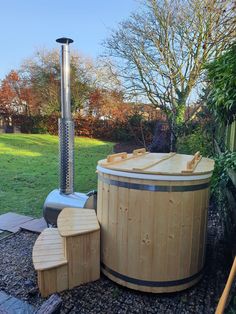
69	255
81	233
50	262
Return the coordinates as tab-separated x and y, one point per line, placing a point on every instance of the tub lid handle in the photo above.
192	164
111	158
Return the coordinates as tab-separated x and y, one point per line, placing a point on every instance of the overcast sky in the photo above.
27	25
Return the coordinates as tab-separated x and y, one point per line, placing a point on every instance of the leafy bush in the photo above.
223	163
220	185
197	141
121	134
222	95
37	124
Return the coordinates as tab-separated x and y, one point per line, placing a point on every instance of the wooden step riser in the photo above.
83	256
53	280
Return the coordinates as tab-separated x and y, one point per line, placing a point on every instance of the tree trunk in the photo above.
161	138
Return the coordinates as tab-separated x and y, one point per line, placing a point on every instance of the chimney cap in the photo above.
64	40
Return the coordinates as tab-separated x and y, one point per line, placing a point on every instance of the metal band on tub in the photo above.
154	188
148	283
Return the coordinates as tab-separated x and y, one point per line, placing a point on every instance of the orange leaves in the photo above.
13	76
107	104
15	95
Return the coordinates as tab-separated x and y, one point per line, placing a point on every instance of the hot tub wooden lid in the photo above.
141	161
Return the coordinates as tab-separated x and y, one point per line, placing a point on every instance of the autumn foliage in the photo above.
30	100
16	97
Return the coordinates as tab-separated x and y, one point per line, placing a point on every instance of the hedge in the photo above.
134	128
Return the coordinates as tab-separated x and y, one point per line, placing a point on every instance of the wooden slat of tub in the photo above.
204	219
105	219
205	215
157	220
99	200
195	231
114	205
197	209
173	213
134	216
123	231
201	231
147	238
186	233
162	204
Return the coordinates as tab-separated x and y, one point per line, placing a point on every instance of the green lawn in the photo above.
29	169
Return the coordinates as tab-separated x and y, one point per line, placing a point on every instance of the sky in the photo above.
28	25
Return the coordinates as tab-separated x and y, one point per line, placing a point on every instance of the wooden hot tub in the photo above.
152	209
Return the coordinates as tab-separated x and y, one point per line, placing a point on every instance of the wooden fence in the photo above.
230	138
228	135
230	144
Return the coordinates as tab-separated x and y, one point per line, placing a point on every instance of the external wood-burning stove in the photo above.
65	195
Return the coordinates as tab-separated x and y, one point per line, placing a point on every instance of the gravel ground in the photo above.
18	278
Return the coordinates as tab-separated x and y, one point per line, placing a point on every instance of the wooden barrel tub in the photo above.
152	209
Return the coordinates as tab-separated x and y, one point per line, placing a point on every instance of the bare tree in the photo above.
42	74
161	52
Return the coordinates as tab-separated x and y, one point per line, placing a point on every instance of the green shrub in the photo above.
197	141
222	76
121	134
223	163
220	185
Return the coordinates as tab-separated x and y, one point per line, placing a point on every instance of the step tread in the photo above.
43	256
76	221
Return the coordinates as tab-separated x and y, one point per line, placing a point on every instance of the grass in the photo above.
29	169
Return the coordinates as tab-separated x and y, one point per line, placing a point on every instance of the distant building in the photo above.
14	108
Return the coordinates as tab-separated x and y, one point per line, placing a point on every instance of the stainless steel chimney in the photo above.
65	195
66	125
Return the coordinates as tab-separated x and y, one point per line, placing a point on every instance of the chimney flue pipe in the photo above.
65	195
66	125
